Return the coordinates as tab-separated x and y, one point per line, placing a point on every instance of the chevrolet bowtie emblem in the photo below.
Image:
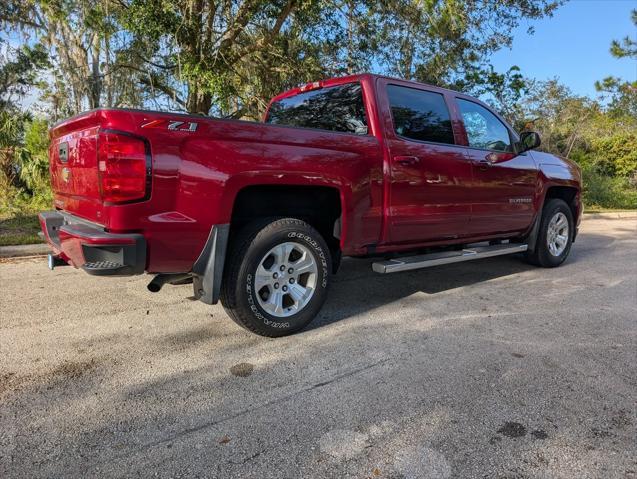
66	174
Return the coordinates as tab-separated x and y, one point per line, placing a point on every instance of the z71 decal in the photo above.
172	125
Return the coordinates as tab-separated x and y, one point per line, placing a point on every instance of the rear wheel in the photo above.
555	235
276	278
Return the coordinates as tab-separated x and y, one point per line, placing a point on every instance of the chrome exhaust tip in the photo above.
54	260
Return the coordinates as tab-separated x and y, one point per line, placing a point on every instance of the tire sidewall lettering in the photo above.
255	310
318	250
249	284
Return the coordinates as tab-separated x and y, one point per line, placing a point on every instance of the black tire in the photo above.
542	255
238	295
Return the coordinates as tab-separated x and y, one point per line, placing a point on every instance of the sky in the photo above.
573	45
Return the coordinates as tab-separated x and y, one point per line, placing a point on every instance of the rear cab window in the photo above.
336	108
420	115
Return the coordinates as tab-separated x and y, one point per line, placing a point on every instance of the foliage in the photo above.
627	47
446	42
84	43
615	155
229	57
622	95
502	90
603	191
34	161
19	72
25	185
600	139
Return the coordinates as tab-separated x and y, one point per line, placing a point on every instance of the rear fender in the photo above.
261	178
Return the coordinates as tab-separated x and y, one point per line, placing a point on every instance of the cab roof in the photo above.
328	82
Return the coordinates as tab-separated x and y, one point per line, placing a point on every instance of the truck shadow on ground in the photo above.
356	289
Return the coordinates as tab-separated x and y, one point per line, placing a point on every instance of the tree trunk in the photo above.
95	81
350	38
199	102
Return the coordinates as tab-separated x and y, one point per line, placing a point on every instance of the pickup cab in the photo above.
259	214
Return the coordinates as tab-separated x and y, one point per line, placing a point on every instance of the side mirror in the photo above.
529	140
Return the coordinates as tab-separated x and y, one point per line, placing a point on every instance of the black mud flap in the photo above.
208	269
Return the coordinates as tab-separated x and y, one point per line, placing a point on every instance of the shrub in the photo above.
616	154
605	191
33	161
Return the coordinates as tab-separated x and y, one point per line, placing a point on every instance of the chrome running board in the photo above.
434	259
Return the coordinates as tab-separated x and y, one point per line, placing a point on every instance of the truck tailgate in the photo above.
74	169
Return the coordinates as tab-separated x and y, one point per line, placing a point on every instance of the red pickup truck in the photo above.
258	215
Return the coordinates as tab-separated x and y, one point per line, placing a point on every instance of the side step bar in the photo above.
446	257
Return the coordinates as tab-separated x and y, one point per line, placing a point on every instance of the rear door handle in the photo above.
406	160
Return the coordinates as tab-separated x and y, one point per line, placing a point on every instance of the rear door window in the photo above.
420	115
337	108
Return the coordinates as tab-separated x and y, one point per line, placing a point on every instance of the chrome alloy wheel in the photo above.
285	279
557	234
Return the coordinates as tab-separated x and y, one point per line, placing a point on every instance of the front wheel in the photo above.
555	235
276	279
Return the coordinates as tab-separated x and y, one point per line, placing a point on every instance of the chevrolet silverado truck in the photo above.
258	214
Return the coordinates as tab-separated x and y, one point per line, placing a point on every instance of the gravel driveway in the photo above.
487	369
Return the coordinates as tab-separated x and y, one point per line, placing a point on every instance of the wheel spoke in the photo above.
299	293
305	264
262	277
282	252
275	303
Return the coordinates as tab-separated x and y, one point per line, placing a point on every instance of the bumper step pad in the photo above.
105	268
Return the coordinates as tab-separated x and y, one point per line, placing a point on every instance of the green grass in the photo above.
599	209
19	229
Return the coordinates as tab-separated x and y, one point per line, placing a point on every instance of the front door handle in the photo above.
483	164
406	160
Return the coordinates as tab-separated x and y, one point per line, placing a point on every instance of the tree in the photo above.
502	90
18	74
84	43
229	57
444	42
19	70
627	47
33	159
203	45
235	54
622	94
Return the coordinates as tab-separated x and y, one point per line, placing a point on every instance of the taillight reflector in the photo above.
121	163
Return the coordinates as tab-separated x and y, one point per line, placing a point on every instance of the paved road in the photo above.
489	369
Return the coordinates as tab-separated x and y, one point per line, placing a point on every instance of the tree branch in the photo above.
157	85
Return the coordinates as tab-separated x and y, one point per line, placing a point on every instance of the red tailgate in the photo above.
73	165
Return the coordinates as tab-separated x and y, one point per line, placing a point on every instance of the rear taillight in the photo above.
124	168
